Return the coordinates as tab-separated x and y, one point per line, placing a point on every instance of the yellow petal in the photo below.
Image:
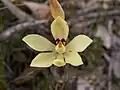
59	28
38	43
79	43
43	60
59	61
73	58
56	9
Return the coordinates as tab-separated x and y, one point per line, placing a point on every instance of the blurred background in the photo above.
98	19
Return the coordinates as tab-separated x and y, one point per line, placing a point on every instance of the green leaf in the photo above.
2	82
1	23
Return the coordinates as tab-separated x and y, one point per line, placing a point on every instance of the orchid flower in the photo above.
61	52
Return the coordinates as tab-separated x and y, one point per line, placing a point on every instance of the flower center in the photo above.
60	48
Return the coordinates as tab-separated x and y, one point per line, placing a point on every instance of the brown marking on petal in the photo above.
57	40
60	44
63	41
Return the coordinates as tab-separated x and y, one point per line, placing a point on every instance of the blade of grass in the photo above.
1	58
1	22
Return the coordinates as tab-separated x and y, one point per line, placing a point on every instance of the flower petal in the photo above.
73	58
59	61
79	43
43	60
56	9
38	43
59	28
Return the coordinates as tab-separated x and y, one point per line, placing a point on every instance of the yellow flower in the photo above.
62	52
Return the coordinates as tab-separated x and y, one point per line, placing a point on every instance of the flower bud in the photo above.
56	9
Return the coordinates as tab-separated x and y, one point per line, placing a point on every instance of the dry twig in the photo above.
20	27
110	23
17	12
